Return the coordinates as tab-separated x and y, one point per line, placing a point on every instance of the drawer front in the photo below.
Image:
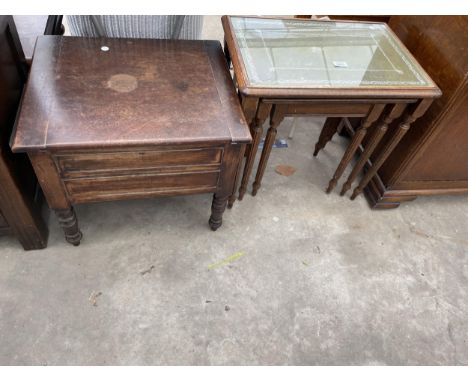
83	190
99	164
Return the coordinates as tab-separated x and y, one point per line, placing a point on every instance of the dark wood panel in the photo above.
85	164
17	180
108	98
3	222
446	155
440	45
372	18
327	109
432	158
139	186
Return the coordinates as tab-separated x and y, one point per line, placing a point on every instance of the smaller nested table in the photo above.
286	67
111	119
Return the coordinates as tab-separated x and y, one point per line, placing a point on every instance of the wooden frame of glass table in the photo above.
358	79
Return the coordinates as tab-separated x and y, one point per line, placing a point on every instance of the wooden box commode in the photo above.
110	119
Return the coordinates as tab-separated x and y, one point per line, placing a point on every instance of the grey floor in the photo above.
294	276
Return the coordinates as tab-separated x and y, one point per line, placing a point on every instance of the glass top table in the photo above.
287	67
294	53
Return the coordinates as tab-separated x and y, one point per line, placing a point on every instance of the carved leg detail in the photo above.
402	129
412	113
394	112
277	115
256	136
355	142
329	129
256	131
269	142
217	209
69	223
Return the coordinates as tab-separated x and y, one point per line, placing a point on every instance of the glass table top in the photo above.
293	53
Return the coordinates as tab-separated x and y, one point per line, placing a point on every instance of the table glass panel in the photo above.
294	53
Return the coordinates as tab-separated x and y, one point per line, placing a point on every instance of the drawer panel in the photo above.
85	164
137	186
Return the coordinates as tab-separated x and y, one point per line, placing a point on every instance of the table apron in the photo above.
326	109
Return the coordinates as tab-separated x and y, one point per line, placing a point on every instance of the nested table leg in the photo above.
277	115
56	197
249	107
329	129
379	131
371	117
256	130
411	114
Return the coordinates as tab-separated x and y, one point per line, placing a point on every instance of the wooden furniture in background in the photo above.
432	158
29	27
108	119
373	18
20	205
370	75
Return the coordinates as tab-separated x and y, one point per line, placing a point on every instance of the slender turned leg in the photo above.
55	194
277	115
394	112
371	117
249	108
69	223
256	130
217	209
411	114
232	198
233	154
328	130
293	128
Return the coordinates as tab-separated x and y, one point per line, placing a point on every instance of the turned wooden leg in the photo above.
379	131
411	114
328	130
277	115
371	117
56	194
257	131
217	209
233	155
69	223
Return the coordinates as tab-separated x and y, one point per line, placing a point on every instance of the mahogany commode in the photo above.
110	119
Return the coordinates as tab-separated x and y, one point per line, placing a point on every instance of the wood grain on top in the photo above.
101	92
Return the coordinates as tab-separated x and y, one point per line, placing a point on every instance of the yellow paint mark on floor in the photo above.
227	260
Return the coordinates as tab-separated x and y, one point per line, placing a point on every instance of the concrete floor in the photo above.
309	279
315	279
